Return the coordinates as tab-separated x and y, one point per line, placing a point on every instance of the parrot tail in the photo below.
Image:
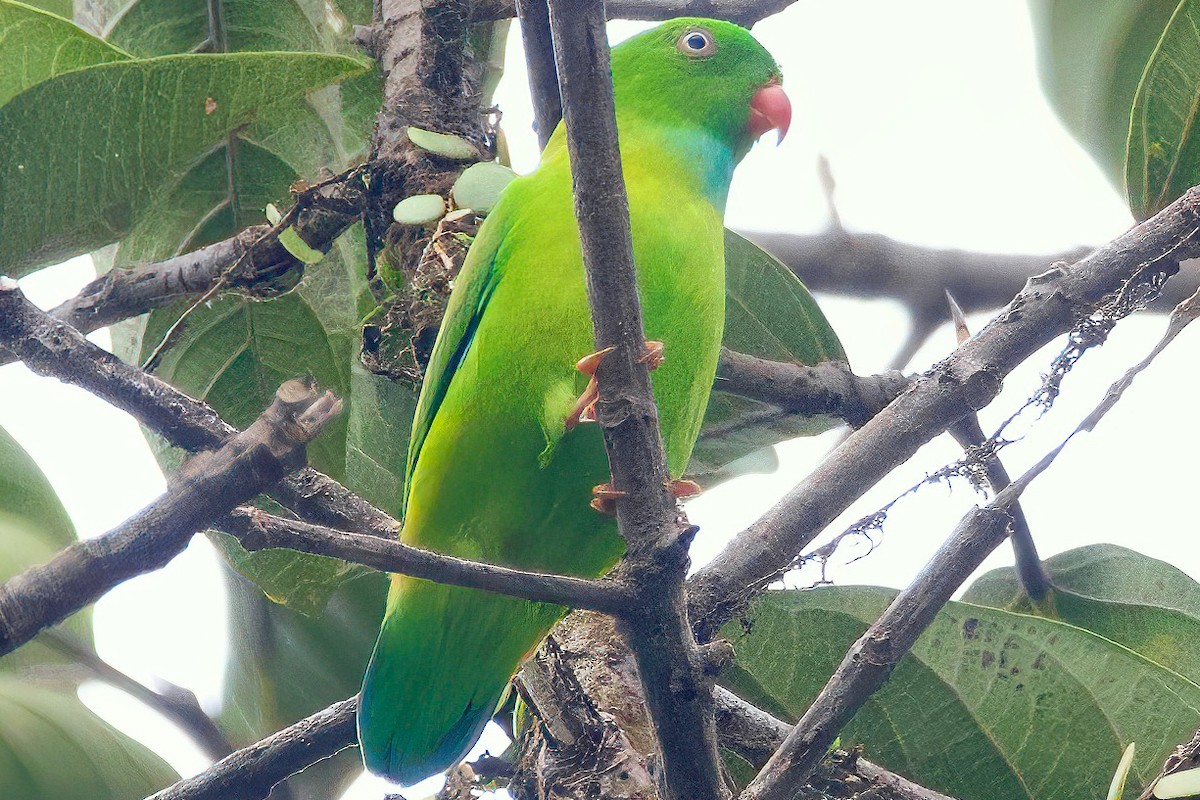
441	668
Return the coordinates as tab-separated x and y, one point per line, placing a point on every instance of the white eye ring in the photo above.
697	43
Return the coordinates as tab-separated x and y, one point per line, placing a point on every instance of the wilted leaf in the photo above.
35	46
442	144
1140	602
86	154
990	705
480	185
420	209
52	747
1091	54
1163	156
770	314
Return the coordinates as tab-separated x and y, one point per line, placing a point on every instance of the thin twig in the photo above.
258	530
174	702
208	486
677	691
539	59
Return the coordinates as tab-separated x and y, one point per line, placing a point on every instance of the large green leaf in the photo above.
52	747
990	705
1091	54
770	314
284	666
35	46
33	527
1163	155
86	154
161	27
1143	603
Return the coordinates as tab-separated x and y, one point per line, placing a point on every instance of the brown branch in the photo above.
258	530
754	735
174	702
49	347
251	773
744	12
870	660
969	379
829	388
208	486
677	691
543	74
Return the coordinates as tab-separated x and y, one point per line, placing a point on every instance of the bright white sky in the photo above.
930	114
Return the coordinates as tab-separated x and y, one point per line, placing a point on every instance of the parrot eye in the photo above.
697	43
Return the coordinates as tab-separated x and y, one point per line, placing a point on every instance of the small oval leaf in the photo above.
480	185
420	209
442	144
1178	784
299	248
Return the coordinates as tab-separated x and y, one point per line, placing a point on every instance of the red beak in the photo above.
770	110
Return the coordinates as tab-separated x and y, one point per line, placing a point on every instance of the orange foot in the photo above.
604	496
584	409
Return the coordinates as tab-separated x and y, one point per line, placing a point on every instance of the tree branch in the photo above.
754	734
543	74
49	347
208	486
829	388
677	691
1110	279
251	773
870	660
174	702
258	530
743	12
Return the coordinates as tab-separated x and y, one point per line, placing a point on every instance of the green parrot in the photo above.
499	470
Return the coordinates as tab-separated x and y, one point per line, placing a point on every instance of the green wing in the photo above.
472	289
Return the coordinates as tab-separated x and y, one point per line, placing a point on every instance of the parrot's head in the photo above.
702	74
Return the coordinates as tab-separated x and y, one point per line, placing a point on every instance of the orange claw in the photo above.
684	488
653	357
587	365
603	497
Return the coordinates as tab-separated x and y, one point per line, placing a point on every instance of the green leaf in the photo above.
161	27
147	123
770	314
985	705
1091	54
52	747
420	209
285	666
35	46
1163	155
1140	602
34	526
60	8
26	496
